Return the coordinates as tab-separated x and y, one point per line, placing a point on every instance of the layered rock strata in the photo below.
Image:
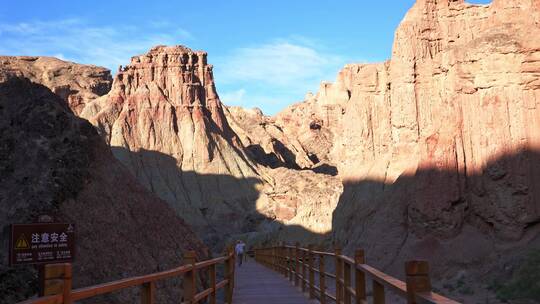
165	122
437	147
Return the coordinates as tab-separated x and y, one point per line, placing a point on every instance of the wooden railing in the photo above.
57	282
298	265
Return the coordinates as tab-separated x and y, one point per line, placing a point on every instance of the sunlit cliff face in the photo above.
460	93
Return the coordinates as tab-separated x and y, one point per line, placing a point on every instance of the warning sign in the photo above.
22	243
42	243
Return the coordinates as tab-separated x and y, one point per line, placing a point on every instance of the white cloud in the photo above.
277	73
280	63
82	42
233	97
269	104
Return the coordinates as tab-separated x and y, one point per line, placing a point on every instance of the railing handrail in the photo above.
147	282
416	289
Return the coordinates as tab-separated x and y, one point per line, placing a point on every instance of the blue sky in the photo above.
266	54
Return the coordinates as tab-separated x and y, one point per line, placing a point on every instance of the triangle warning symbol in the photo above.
22	243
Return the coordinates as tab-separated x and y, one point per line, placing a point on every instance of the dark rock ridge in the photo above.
52	162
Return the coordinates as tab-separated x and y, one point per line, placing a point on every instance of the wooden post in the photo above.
57	280
277	259
322	280
339	275
212	275
378	293
417	279
360	277
229	266
190	287
311	257
283	253
148	291
304	270
290	263
233	267
296	264
274	258
347	282
286	261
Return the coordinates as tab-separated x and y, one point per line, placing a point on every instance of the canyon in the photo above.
433	154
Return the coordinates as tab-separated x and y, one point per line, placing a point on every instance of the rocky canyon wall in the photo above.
438	147
462	92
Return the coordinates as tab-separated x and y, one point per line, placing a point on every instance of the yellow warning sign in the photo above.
21	243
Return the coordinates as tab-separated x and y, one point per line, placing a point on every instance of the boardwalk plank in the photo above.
256	284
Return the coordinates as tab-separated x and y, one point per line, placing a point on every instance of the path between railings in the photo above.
256	284
308	269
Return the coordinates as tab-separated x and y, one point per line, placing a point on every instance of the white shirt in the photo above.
239	248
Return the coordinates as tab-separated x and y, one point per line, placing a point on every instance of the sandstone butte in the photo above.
54	163
165	122
432	154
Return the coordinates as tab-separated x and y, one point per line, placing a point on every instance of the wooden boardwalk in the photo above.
256	284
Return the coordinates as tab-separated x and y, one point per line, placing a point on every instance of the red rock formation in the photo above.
462	92
438	147
77	84
165	122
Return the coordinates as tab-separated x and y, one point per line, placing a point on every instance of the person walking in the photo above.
239	250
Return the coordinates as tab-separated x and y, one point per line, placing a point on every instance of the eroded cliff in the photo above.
438	147
165	122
